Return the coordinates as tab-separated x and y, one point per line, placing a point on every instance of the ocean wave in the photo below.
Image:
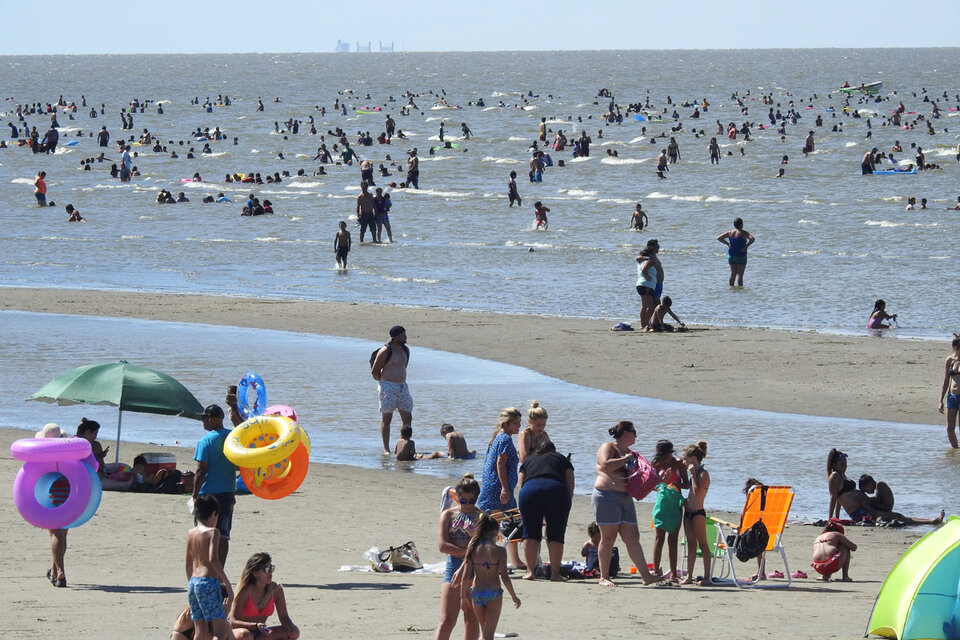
850	144
22	181
517	139
500	160
884	223
578	192
615	201
304	185
618	161
803	221
638	139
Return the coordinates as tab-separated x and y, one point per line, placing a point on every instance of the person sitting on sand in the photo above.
406	449
258	596
590	551
657	324
832	552
844	493
879	493
879	315
456	443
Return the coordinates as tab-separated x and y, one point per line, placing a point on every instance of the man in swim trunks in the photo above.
868	163
40	189
205	572
390	370
831	553
413	169
341	245
366	212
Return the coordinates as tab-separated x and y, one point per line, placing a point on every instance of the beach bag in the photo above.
668	509
643	478
511	526
402	558
751	543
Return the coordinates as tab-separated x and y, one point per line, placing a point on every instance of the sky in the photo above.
242	26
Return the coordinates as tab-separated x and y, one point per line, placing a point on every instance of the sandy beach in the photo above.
126	576
807	373
128	560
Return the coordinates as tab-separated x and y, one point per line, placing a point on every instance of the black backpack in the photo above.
373	356
752	542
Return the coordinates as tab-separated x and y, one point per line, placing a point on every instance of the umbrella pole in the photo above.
116	451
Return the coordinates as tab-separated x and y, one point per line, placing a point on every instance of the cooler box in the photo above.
157	461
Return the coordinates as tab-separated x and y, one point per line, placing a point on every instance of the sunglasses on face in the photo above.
465	501
269	568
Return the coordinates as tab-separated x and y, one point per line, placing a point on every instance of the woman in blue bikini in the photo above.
487	563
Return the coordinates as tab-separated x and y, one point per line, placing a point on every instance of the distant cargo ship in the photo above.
344	47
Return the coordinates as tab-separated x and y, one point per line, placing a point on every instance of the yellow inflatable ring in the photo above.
262	441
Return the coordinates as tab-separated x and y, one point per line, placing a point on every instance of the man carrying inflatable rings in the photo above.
216	475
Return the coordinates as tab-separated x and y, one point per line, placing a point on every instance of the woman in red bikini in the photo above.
831	553
258	596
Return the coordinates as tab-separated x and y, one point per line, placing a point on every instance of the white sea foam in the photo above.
500	160
883	223
619	161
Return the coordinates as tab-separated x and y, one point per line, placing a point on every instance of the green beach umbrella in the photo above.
123	385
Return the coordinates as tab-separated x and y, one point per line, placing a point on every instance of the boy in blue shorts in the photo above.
205	573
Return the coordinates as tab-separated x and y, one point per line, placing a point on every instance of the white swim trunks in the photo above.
395	395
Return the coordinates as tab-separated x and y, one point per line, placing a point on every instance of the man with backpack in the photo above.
388	365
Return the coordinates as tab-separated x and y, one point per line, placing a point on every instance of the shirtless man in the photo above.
413	169
205	573
390	370
456	443
341	245
366	212
868	163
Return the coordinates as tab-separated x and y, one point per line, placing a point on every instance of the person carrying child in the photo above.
205	574
832	552
486	562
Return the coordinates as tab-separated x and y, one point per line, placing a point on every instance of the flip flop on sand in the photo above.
798	574
775	574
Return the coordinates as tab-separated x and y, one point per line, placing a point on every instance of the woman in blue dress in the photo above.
500	469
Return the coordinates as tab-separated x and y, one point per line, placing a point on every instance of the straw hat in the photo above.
51	430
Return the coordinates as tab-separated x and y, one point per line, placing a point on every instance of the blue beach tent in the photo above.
920	598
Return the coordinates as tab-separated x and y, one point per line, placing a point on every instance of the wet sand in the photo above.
865	376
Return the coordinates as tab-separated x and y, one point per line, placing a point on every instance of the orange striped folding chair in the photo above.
771	505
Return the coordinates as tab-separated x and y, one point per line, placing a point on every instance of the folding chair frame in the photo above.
777	546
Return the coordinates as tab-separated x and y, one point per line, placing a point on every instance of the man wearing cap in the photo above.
216	475
390	370
413	169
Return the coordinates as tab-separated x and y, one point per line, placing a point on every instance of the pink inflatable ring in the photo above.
31	487
50	449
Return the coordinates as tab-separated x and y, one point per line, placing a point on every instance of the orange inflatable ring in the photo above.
288	479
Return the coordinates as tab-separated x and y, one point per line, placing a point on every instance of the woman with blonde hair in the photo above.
500	472
535	433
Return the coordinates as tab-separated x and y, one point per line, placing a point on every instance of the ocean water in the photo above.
829	241
327	381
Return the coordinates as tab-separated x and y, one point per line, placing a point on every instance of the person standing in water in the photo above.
737	241
512	191
389	368
639	218
951	389
341	245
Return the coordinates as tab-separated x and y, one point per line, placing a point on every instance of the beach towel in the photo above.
668	509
